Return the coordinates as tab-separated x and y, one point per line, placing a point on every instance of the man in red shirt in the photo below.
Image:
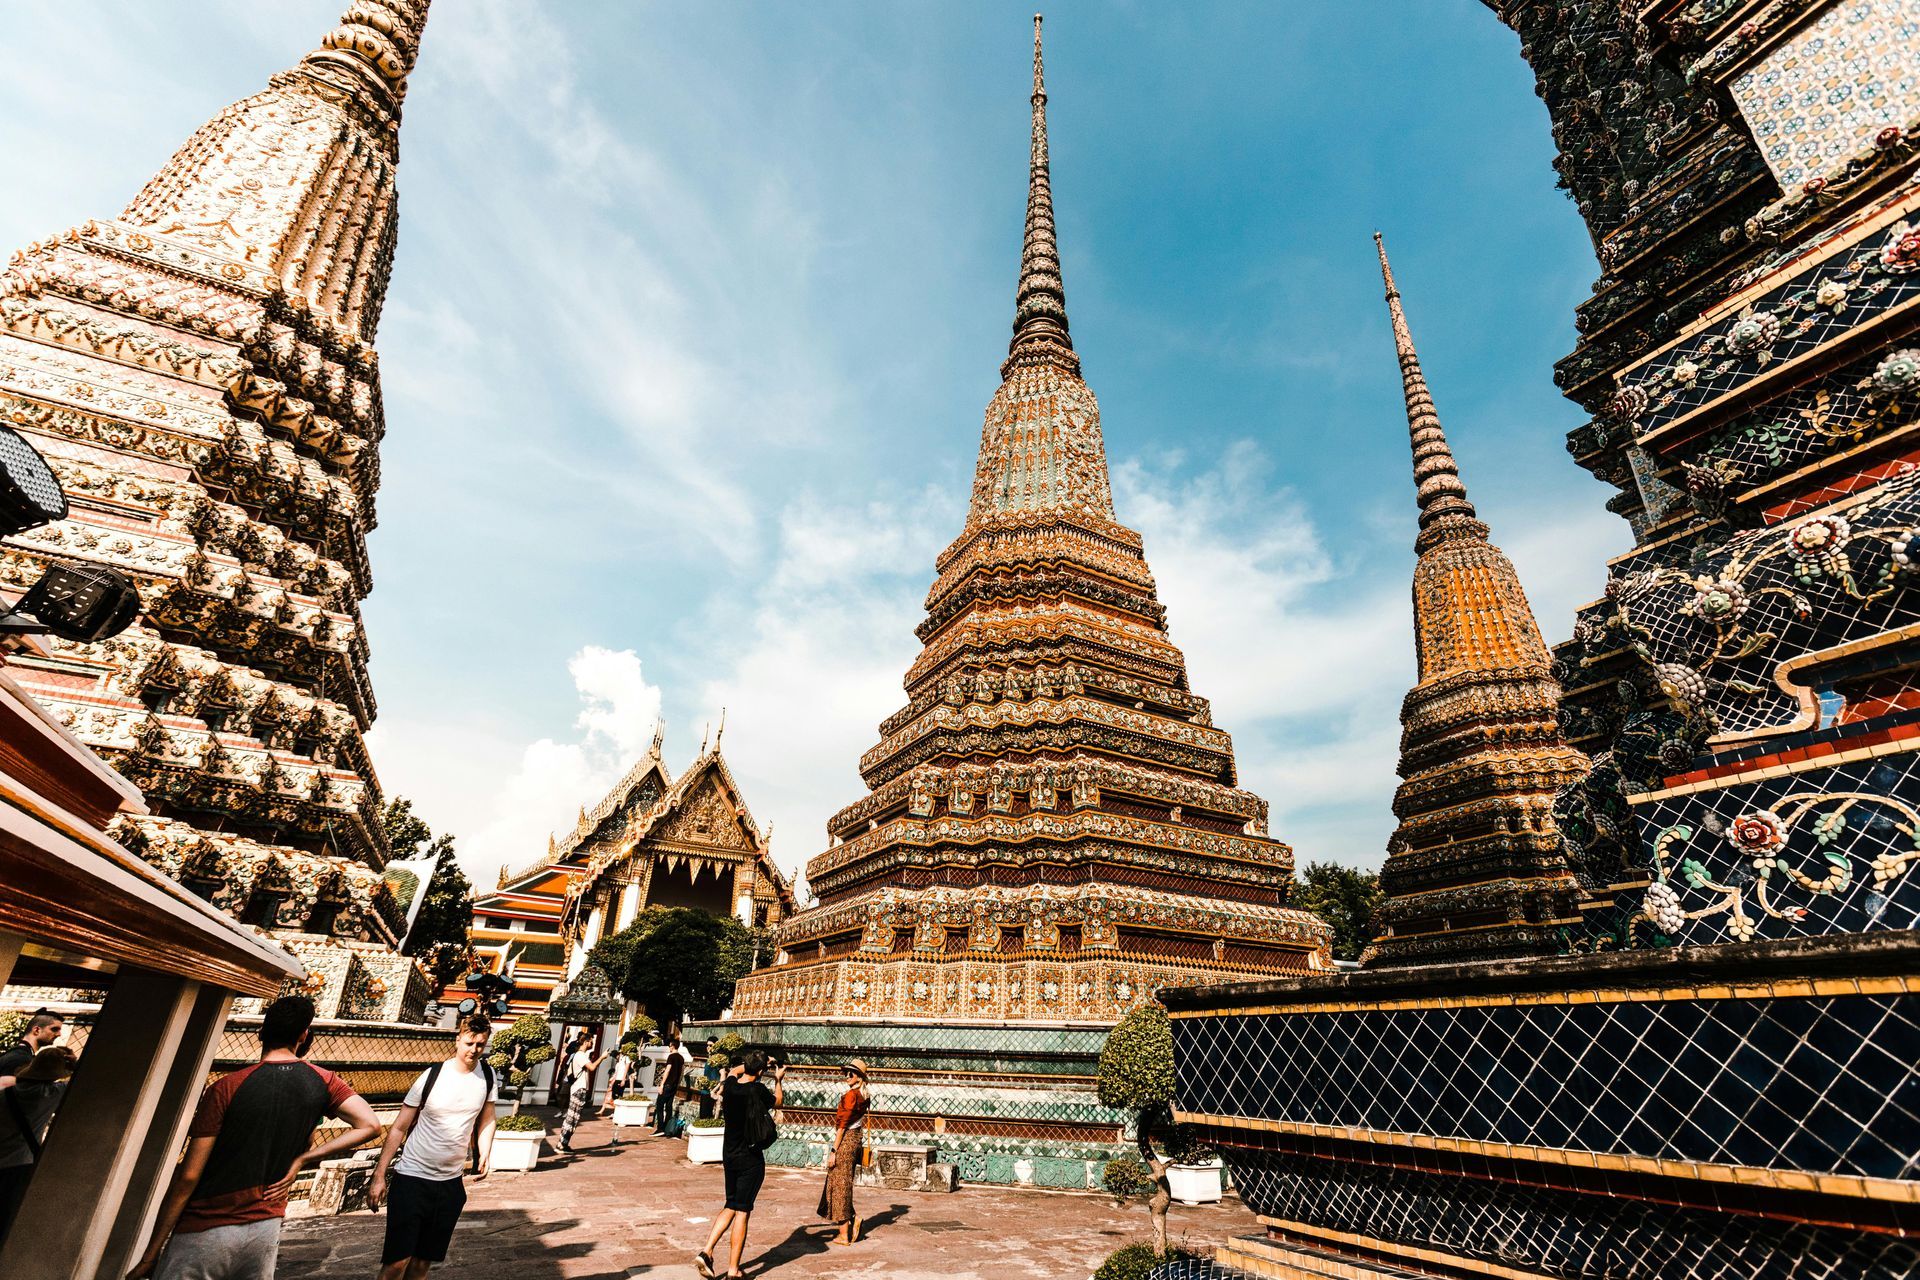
249	1140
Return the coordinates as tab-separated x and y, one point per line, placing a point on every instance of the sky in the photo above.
697	310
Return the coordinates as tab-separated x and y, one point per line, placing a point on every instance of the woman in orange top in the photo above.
850	1127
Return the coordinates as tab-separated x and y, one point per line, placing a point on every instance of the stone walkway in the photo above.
640	1209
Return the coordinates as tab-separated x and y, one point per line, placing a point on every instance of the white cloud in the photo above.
465	778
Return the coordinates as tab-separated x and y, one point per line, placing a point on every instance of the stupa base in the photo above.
1006	1103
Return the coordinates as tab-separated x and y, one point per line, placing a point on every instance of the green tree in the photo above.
1345	897
441	927
679	962
1136	1074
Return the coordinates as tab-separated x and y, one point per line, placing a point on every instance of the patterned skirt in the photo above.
836	1198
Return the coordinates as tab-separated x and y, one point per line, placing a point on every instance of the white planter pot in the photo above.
631	1112
703	1145
1196	1183
515	1152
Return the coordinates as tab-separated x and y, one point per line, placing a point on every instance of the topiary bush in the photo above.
12	1024
517	1123
1137	1262
640	1032
1136	1074
709	1122
525	1042
723	1049
1126	1178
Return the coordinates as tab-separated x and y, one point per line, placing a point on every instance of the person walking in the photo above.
28	1100
42	1029
747	1107
850	1132
447	1114
580	1068
251	1136
669	1087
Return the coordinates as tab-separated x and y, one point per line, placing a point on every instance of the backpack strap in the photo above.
426	1090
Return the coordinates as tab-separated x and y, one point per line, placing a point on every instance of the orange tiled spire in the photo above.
1474	869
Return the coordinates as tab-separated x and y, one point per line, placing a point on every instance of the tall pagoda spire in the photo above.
1040	301
1441	493
1051	764
210	351
1474	869
297	181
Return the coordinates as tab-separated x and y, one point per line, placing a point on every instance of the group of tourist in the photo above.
746	1109
33	1080
251	1137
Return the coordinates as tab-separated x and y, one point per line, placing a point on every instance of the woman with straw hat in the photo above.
27	1103
850	1125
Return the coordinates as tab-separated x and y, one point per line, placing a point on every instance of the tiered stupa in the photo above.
1474	870
1053	829
200	373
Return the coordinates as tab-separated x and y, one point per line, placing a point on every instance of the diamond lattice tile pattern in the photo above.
1821	1084
1557	1233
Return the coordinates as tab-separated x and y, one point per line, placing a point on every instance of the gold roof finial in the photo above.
1040	301
1441	493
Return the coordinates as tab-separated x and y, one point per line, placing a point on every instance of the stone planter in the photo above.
515	1151
631	1112
703	1145
1196	1183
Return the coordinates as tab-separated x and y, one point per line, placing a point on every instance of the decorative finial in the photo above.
659	734
377	39
1040	301
1440	493
723	729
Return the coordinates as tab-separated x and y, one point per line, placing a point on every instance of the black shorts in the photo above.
745	1171
421	1214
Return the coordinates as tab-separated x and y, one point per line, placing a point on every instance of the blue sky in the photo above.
697	310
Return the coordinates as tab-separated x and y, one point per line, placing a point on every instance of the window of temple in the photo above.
157	698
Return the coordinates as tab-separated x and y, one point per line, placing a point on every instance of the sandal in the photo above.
703	1263
858	1223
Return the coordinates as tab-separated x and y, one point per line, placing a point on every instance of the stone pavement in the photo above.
641	1210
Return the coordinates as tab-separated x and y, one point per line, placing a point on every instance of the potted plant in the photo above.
704	1138
516	1143
1136	1074
518	1049
634	1106
1196	1175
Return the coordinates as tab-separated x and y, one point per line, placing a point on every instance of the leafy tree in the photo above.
440	927
677	961
1136	1074
1345	897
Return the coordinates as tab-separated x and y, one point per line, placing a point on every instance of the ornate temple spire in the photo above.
1040	448
1441	494
297	181
1040	301
1474	868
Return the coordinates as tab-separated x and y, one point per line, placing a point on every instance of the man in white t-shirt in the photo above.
447	1113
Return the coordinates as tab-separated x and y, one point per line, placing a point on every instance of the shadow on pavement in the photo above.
489	1244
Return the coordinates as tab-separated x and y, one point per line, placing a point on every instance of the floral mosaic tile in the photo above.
1823	95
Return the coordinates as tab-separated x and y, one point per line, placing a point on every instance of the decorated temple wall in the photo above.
1618	1116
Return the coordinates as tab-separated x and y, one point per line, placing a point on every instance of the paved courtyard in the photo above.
640	1209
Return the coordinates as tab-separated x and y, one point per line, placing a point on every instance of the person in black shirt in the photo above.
745	1103
42	1029
669	1087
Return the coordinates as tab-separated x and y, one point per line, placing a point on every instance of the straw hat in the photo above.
858	1067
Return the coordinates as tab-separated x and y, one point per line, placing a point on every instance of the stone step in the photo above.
1271	1260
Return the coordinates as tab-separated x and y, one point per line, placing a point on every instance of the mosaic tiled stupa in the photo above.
1053	830
1474	869
1719	1079
200	372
